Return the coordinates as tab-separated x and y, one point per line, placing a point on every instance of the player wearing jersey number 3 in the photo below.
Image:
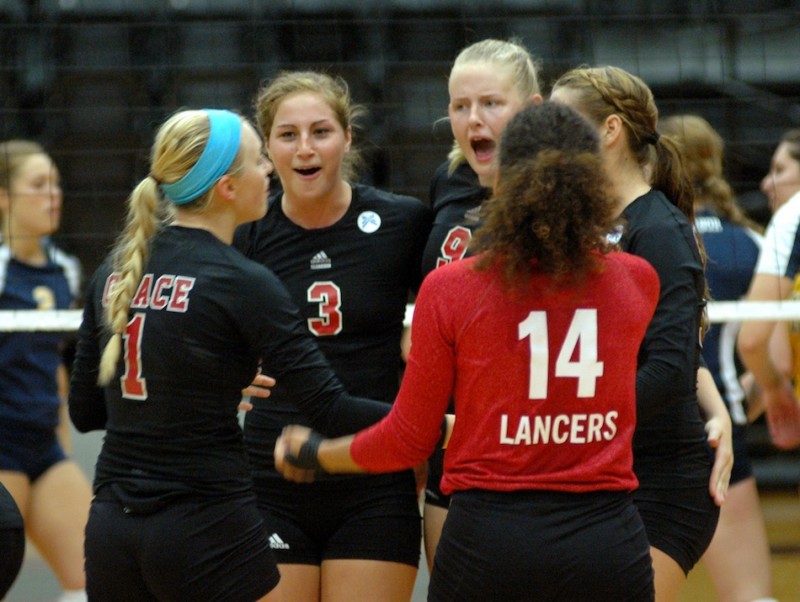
349	255
536	340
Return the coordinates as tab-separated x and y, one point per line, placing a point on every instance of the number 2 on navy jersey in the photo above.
329	298
581	336
454	246
132	383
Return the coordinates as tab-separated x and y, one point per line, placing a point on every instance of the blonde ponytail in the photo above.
130	257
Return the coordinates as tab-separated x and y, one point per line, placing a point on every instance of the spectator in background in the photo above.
732	243
51	491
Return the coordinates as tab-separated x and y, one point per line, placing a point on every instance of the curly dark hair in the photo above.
551	210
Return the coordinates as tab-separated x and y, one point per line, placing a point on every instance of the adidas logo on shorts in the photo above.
276	543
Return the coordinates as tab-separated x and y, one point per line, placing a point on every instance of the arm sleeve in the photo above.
87	406
408	435
668	355
420	230
289	354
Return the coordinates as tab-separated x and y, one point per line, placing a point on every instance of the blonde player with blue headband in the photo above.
174	328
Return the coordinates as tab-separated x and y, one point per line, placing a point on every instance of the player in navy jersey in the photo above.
777	278
489	82
177	323
680	487
732	243
539	462
52	493
349	254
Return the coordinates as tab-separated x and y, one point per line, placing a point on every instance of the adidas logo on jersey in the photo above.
320	261
276	543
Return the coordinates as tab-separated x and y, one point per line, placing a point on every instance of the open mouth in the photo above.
483	148
308	171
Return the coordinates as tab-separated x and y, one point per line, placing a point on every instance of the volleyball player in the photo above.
776	278
49	488
349	254
177	323
782	181
655	198
489	82
732	243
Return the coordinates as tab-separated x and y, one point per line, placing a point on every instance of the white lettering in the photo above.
504	438
577	429
523	431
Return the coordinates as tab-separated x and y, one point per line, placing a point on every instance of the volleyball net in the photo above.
67	321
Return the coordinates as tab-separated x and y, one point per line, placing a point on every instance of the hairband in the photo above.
218	155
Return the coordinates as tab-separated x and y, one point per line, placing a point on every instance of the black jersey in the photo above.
456	199
202	321
668	417
351	281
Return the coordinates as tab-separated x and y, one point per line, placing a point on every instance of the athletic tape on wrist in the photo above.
307	458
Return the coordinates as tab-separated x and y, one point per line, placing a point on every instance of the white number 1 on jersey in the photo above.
582	335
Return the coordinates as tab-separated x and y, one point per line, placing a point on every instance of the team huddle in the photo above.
551	392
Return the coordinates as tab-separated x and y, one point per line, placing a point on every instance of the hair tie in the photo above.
654	138
150	175
225	131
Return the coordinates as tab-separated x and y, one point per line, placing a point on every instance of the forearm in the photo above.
755	337
62	430
754	351
334	456
711	402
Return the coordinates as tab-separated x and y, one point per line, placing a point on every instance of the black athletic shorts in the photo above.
433	487
742	468
12	541
680	519
374	517
543	546
29	451
12	544
190	549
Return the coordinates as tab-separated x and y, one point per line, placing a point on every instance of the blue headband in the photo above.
216	158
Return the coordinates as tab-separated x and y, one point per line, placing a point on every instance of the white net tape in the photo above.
718	311
728	311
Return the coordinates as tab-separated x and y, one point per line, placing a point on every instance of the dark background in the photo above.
91	79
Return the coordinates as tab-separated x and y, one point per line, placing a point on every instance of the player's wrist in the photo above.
307	456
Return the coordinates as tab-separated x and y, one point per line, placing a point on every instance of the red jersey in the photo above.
544	384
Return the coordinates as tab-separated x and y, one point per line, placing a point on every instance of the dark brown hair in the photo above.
551	210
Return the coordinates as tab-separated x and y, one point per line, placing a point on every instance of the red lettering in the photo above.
142	295
180	293
159	300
